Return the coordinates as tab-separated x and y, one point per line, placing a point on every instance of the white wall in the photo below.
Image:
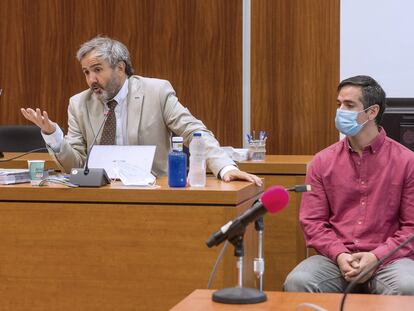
377	39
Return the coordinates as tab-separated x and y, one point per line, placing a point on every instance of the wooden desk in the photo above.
200	300
278	165
116	247
284	245
22	162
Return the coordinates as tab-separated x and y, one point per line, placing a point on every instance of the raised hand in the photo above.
40	119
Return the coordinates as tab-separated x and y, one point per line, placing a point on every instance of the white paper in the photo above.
105	156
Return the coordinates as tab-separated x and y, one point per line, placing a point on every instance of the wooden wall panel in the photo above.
295	71
196	44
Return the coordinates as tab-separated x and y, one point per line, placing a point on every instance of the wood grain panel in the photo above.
114	257
194	44
111	255
295	70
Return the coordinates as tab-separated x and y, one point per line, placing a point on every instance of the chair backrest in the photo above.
20	138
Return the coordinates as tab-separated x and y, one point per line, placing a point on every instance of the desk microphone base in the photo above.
239	295
96	177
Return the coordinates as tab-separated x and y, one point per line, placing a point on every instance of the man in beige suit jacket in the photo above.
147	113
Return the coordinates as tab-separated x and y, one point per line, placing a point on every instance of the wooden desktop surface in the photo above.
273	164
215	192
115	247
21	162
277	164
200	300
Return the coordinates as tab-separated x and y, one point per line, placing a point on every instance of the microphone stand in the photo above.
258	264
90	177
239	294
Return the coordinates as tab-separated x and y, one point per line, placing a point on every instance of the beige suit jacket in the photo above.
153	114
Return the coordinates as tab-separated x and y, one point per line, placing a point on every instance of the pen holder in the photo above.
257	150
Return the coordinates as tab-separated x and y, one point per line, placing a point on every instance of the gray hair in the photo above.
109	49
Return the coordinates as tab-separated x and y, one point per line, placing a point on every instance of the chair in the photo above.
20	138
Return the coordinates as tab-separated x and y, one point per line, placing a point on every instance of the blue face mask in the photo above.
346	122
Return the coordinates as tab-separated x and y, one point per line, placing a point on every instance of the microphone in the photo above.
369	269
94	177
272	201
300	188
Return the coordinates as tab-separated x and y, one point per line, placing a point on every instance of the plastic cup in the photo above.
257	150
36	168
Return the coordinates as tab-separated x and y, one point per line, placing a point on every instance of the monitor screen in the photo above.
398	120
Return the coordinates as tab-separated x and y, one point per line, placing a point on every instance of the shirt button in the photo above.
359	222
362	182
359	163
362	203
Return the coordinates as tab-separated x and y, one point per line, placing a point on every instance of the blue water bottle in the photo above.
177	164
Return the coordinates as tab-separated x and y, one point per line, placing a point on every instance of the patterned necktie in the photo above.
109	130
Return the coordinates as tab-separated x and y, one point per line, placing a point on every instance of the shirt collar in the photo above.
122	94
376	143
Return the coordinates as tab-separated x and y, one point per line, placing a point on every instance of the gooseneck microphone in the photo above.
372	267
272	201
86	168
86	177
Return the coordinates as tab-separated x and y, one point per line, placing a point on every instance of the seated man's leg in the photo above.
316	274
396	278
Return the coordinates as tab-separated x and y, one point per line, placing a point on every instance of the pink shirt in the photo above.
360	203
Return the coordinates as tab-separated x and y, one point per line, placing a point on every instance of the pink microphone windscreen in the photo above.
275	199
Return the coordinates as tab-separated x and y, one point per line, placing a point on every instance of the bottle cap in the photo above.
177	139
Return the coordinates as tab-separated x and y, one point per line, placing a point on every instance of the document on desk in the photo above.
108	157
13	176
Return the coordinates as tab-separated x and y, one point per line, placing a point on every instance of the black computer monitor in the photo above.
398	120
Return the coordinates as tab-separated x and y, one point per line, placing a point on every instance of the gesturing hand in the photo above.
41	120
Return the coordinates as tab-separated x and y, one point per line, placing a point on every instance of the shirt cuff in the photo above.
381	251
227	169
54	140
335	250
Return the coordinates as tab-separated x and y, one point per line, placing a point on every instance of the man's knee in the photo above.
404	286
395	279
298	281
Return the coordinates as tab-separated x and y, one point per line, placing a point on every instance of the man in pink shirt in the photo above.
362	202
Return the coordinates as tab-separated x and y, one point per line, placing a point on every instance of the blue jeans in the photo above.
319	274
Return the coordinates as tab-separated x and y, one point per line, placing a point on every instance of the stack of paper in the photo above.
13	176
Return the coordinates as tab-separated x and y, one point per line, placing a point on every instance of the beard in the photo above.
107	92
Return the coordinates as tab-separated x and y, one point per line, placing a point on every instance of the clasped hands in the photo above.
351	265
